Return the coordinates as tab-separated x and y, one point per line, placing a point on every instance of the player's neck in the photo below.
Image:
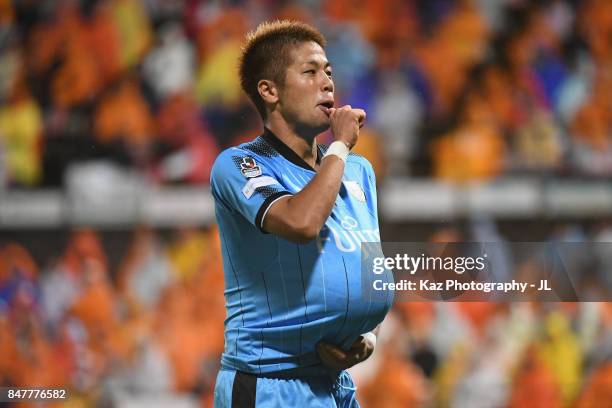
305	146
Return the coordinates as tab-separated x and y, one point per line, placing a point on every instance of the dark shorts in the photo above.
235	389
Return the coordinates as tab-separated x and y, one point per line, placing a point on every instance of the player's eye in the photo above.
329	73
310	71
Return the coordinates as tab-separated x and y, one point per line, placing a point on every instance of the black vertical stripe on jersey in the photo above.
263	278
229	256
347	299
305	302
244	390
367	316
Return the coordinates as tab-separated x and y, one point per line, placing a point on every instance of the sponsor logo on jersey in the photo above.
349	237
249	167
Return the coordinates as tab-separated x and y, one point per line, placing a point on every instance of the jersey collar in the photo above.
286	152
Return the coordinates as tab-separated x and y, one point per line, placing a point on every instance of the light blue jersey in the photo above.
283	298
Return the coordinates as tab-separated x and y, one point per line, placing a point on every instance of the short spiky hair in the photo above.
266	54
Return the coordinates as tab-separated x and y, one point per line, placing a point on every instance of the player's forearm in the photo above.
314	203
300	217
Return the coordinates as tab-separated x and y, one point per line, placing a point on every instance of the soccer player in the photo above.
292	214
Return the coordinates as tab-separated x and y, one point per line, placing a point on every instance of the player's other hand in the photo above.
345	123
336	358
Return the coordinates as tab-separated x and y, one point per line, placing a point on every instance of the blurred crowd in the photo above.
455	90
152	327
487	354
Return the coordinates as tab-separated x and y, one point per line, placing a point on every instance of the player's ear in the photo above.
268	91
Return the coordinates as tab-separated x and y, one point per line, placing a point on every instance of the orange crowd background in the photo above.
153	326
455	91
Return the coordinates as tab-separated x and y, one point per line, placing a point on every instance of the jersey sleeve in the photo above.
242	183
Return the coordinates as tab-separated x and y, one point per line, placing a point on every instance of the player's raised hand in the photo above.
336	358
345	123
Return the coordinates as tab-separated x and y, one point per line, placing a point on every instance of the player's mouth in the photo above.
326	105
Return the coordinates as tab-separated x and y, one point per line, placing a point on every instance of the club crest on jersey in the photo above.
249	167
355	190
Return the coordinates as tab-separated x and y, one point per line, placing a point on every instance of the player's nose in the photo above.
327	85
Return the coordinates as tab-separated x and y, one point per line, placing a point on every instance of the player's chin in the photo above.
322	127
314	124
321	123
